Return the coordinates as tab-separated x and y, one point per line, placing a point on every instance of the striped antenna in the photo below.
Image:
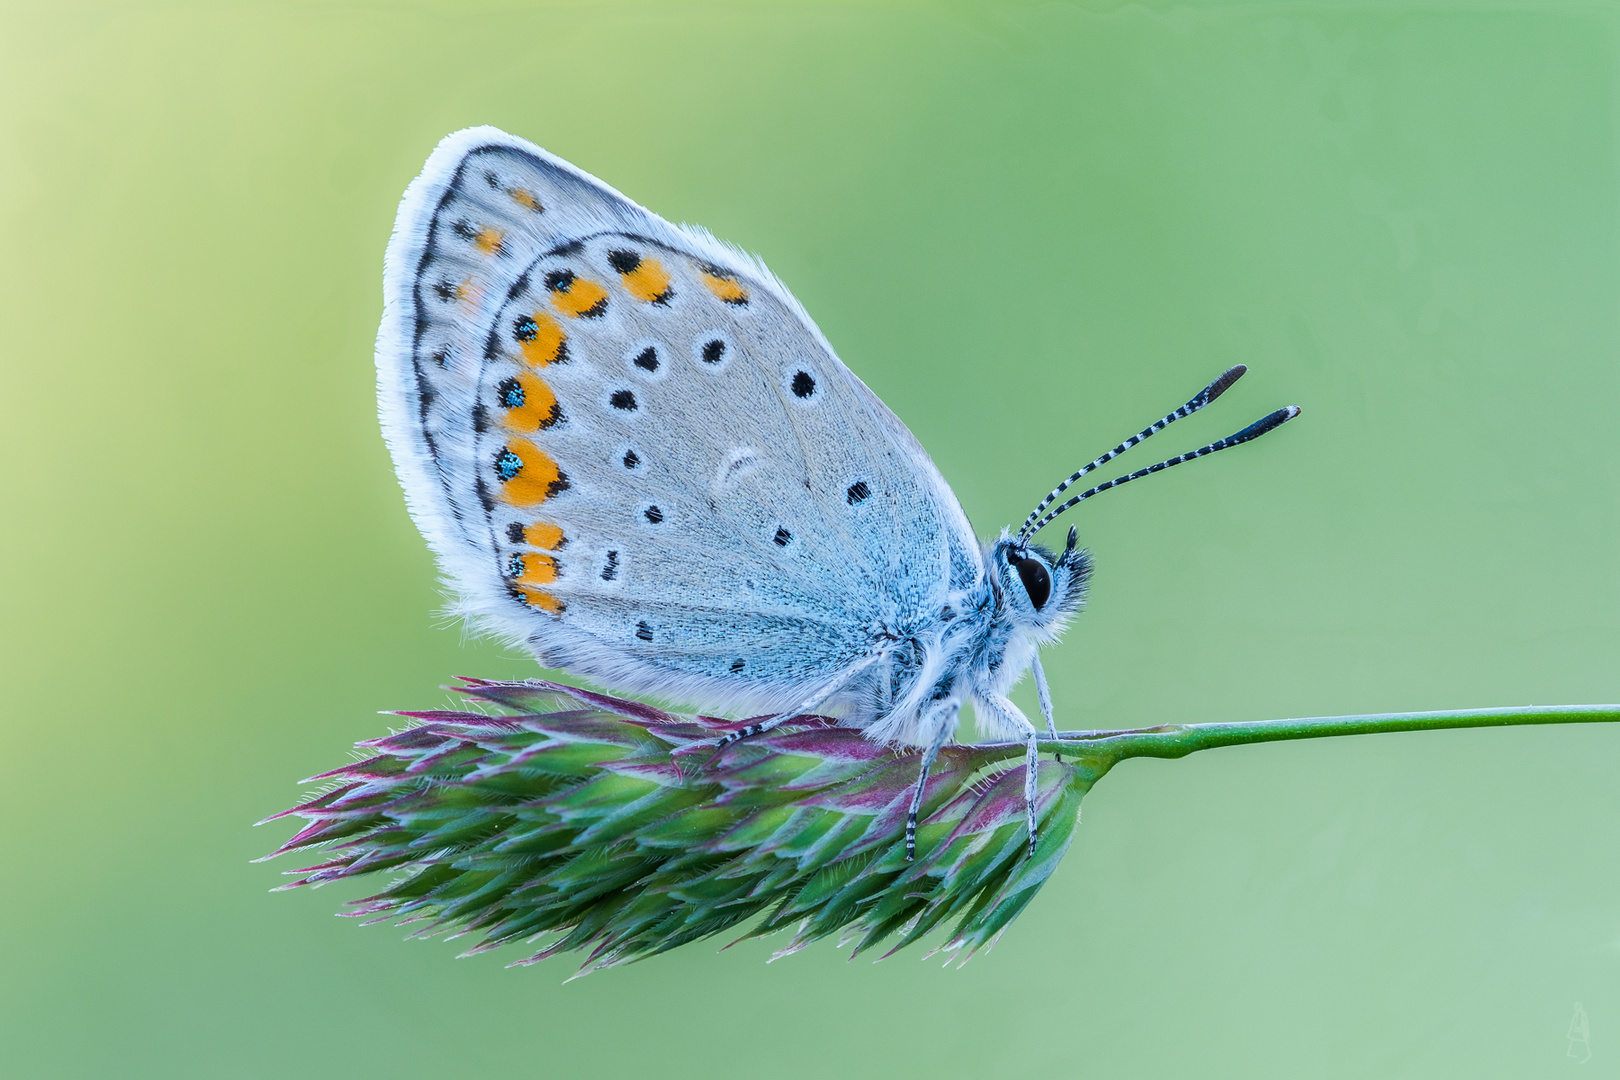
1253	431
1202	398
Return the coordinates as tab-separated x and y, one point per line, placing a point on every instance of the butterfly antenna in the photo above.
1199	400
1253	431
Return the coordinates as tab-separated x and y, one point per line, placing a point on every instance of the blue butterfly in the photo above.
635	455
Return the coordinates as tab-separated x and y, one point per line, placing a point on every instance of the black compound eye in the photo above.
1036	578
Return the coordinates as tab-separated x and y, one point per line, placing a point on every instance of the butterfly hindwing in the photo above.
633	451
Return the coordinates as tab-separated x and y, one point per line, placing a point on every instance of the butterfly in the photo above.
636	456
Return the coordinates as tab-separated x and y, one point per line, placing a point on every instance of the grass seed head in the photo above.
582	822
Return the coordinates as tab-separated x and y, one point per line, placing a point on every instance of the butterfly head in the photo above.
1039	589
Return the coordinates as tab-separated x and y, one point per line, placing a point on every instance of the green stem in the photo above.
1178	740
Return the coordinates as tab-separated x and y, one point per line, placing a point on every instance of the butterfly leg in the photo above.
1012	717
757	729
816	700
1046	698
1031	765
941	737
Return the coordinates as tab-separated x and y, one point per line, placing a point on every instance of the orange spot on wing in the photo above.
538	409
470	293
648	282
543	342
543	535
724	286
489	240
580	296
534	569
527	474
525	197
537	598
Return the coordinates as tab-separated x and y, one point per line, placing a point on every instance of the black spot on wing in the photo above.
507	464
858	492
510	393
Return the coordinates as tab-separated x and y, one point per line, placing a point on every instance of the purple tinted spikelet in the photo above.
572	823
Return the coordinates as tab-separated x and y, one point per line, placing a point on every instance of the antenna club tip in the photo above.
1269	422
1224	382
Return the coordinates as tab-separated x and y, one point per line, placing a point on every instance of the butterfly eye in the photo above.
1037	580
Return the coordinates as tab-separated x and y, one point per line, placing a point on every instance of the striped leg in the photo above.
941	737
1032	764
1045	694
762	727
814	701
1014	718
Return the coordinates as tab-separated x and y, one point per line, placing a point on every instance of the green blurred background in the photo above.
1032	228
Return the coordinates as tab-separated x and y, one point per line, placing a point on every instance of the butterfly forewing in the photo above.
633	451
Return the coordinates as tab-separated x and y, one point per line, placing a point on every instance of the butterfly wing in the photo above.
632	450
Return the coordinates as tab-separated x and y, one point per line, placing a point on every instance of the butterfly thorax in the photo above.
975	647
923	668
